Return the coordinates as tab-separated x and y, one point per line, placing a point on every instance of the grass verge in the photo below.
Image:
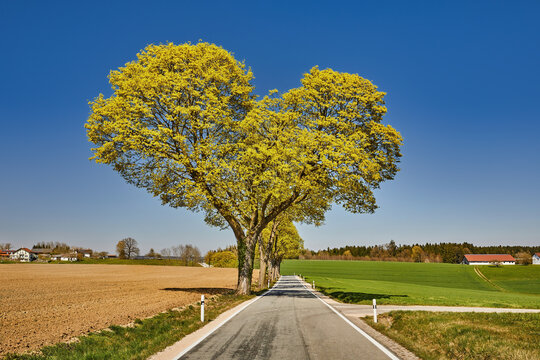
463	335
143	339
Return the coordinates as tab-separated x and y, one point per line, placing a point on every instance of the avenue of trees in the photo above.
278	241
183	123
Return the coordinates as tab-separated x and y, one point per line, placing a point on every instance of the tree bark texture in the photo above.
246	256
262	266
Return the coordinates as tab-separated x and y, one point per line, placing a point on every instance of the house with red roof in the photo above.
23	255
4	254
536	259
488	259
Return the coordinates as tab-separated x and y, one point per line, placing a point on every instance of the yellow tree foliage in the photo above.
183	123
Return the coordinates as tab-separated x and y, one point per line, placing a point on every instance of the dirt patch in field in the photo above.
45	304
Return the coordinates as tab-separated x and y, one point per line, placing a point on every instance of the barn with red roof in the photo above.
488	259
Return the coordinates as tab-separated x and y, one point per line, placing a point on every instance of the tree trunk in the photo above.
262	266
246	256
272	270
269	267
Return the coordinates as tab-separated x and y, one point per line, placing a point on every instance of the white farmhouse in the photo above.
23	255
488	259
68	257
536	259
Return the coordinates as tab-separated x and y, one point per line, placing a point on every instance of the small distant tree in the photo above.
524	258
347	253
130	247
166	252
192	254
178	251
208	256
121	249
391	248
151	253
5	246
417	254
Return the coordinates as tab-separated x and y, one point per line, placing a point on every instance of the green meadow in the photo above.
421	284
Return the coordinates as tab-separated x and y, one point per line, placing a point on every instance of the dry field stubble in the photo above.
45	304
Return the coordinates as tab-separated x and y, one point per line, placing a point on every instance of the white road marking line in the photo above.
372	340
223	323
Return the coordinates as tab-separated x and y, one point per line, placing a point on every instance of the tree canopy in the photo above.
183	123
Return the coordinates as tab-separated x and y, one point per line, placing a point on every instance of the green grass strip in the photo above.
431	335
143	339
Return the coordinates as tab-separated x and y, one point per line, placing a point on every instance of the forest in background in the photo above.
437	252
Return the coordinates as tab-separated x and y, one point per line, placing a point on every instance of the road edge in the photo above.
389	351
188	342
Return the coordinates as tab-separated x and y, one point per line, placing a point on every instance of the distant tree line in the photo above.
436	252
55	246
189	254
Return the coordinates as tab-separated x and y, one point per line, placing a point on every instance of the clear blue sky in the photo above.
463	84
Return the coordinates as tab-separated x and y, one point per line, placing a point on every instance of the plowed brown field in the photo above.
42	304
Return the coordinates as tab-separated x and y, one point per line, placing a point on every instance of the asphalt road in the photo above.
288	323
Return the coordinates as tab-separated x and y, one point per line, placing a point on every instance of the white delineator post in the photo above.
313	286
202	308
374	310
269	283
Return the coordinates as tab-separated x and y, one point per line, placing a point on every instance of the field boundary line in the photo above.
483	277
381	347
186	350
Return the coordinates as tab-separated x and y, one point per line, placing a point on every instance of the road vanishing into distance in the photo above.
289	322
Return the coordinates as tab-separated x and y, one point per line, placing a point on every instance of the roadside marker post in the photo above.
202	308
269	283
374	310
313	285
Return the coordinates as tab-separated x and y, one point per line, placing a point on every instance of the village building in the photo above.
23	255
5	254
68	257
42	253
536	259
85	252
488	259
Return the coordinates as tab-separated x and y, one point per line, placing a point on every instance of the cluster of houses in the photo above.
489	259
27	255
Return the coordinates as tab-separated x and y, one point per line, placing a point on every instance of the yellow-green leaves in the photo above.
184	124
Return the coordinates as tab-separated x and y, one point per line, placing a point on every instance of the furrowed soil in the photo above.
45	304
